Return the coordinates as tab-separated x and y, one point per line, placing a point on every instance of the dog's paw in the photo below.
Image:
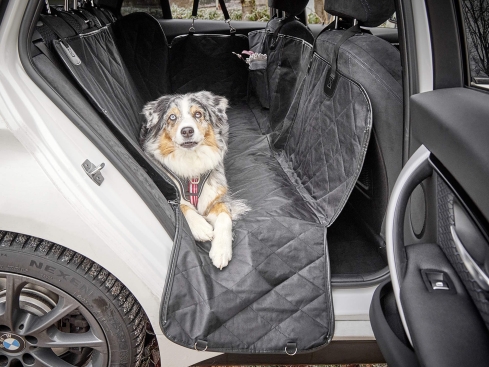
222	250
201	229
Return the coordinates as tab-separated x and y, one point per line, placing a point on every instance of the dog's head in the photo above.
186	132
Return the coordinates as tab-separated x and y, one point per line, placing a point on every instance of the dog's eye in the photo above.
198	115
172	117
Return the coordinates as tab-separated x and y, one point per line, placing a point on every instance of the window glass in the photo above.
256	10
152	7
58	3
317	15
476	16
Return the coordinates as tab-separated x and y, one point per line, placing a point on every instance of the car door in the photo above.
435	310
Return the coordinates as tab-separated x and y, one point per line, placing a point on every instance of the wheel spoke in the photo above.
47	358
11	308
38	324
53	338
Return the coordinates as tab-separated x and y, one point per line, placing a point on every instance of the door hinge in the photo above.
93	171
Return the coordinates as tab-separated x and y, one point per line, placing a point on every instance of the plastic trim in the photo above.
477	273
424	53
416	170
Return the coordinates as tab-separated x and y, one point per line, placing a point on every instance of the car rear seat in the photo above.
375	64
295	193
285	41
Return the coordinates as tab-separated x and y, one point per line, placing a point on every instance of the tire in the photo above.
98	292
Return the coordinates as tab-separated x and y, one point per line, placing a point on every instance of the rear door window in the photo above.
476	19
152	7
317	15
255	10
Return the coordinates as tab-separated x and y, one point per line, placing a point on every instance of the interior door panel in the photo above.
438	214
452	124
442	288
444	324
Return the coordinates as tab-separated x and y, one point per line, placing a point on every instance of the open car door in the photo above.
435	309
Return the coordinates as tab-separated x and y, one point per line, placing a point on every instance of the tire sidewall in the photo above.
74	283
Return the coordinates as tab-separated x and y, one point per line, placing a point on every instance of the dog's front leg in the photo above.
222	244
201	229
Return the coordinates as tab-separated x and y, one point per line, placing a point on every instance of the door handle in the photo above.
472	267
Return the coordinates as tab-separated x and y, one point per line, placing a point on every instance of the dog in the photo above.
187	134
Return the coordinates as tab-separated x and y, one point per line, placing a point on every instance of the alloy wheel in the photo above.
40	325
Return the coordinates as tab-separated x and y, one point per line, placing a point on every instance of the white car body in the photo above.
46	193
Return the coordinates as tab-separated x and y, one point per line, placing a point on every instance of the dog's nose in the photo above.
187	132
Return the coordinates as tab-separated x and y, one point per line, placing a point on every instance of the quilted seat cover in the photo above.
284	70
276	290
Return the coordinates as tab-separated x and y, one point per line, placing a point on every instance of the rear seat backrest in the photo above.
111	59
144	49
376	65
284	41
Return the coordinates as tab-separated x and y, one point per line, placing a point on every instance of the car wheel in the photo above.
60	309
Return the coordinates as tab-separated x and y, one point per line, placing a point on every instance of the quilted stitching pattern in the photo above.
286	66
445	220
276	288
279	248
286	69
143	47
206	63
328	142
103	76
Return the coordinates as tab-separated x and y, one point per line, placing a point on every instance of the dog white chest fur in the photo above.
187	134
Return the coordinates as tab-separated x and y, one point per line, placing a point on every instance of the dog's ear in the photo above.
217	103
152	111
214	100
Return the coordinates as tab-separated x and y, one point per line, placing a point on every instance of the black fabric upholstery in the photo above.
287	57
328	140
200	62
376	66
292	7
254	304
369	13
280	257
142	45
105	78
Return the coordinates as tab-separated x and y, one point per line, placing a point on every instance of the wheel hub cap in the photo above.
11	343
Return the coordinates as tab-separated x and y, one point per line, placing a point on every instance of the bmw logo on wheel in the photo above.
11	343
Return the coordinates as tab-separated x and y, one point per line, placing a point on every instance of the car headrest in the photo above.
369	13
293	7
